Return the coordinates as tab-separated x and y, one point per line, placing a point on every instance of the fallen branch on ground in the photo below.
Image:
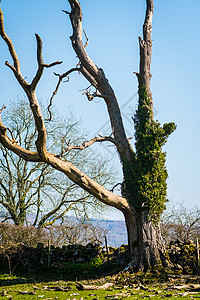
82	287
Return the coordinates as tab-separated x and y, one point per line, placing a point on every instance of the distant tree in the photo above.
71	232
34	192
144	185
179	222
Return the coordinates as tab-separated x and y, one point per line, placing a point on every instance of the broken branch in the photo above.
91	96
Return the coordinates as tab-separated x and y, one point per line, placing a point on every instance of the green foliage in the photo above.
145	178
78	269
74	270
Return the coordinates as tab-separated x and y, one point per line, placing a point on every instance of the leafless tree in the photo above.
144	237
71	232
180	223
34	193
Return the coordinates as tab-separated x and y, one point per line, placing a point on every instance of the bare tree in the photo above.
180	223
34	193
72	232
144	185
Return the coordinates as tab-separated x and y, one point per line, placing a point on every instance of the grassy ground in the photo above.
180	287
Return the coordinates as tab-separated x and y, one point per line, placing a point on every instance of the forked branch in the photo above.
41	64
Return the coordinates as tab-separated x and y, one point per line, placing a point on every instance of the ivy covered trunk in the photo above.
145	186
145	176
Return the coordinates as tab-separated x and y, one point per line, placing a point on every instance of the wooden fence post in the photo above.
49	254
107	249
197	255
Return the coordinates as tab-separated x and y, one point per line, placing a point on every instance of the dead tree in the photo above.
144	185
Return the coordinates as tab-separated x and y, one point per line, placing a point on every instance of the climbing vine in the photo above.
145	179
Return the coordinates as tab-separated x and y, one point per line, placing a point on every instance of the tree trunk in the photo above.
146	247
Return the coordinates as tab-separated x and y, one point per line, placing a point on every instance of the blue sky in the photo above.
113	28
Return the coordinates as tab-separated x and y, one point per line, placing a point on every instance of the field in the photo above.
123	286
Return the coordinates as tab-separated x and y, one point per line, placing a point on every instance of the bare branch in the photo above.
44	221
91	96
13	146
64	75
3	107
16	68
52	64
53	95
11	133
87	39
91	142
136	74
66	12
22	81
112	190
9	43
41	64
30	92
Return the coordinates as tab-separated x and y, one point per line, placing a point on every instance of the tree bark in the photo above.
146	247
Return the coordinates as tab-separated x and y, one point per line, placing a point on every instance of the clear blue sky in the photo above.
113	28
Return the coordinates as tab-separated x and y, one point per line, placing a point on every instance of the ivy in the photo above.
145	178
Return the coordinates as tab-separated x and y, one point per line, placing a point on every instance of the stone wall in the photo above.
183	256
24	257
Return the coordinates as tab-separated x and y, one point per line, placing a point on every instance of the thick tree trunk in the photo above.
146	247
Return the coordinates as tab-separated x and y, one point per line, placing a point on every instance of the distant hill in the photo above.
117	234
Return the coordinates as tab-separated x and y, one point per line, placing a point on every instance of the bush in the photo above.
180	223
27	235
